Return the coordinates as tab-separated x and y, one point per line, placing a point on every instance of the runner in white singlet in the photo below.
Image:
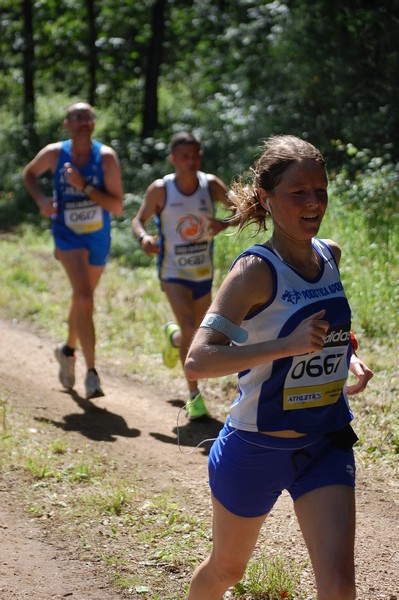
183	206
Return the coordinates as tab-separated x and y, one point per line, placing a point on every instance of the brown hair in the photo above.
279	153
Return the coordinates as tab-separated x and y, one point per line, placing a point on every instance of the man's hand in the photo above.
150	244
215	226
47	207
73	176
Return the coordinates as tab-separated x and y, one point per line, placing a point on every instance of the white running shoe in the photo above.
66	373
93	386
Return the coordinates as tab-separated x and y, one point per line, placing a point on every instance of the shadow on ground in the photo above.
95	423
199	433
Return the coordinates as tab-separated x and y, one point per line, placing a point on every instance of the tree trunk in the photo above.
92	51
150	109
29	72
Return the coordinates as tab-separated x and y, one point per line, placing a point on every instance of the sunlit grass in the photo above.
271	579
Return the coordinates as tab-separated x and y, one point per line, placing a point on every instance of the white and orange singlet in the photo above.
186	247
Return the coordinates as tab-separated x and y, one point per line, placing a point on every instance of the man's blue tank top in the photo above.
75	210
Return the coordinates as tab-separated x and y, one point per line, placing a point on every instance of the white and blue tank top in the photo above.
305	393
186	247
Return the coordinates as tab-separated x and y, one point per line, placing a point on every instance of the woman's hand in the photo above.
310	335
362	373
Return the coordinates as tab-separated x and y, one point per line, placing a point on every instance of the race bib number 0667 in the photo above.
317	379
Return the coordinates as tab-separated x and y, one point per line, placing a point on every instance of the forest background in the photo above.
234	72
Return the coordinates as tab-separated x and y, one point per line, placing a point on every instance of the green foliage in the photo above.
107	500
234	72
363	217
334	58
372	190
270	580
39	469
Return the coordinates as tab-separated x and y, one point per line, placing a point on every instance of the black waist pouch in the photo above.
343	438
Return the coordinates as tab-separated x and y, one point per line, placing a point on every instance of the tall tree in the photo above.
28	71
92	51
152	72
339	64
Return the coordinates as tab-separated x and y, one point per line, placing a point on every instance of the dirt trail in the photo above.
136	425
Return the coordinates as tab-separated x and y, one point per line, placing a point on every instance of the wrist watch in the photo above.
88	188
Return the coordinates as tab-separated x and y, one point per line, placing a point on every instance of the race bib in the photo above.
192	260
302	388
84	217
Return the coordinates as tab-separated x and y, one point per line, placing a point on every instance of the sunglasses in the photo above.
81	117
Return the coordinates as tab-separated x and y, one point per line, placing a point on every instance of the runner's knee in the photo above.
229	573
85	302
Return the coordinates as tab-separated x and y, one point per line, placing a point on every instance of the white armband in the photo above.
225	326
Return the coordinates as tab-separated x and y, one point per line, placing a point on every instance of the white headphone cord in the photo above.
203	441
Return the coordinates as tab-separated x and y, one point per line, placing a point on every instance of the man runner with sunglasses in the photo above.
87	190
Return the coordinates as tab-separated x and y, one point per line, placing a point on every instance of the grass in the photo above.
103	511
100	513
271	579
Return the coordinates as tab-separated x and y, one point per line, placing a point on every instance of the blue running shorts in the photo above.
199	288
248	471
98	244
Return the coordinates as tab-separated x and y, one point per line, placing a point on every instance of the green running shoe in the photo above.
195	408
170	353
